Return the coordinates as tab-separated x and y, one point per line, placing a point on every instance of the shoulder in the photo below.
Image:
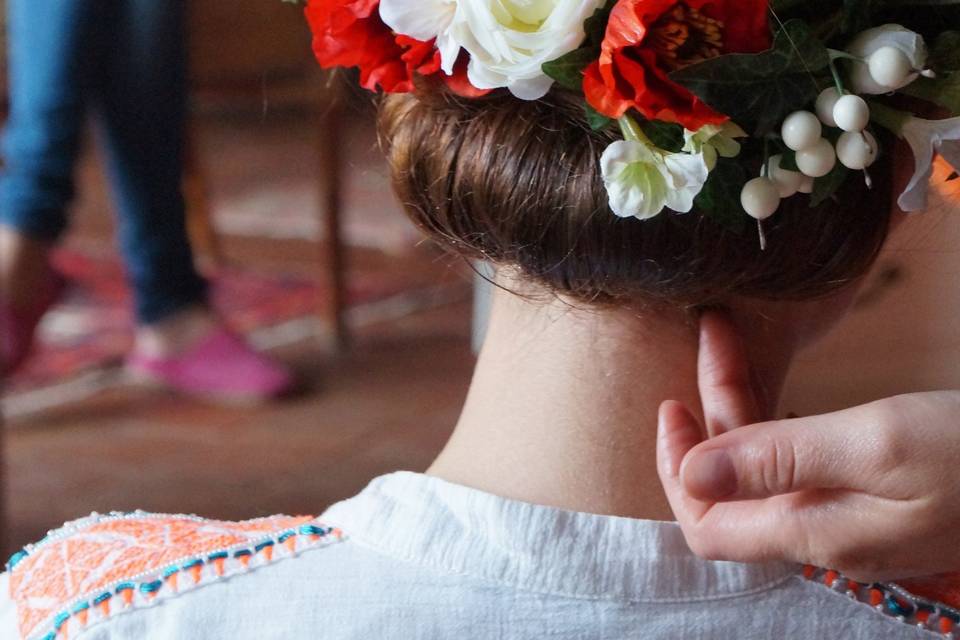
101	566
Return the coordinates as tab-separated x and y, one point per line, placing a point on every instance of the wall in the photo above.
232	40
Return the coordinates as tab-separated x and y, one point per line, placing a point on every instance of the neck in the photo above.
562	409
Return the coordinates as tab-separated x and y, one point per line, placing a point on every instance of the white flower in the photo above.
928	138
642	180
508	40
870	41
424	20
714	141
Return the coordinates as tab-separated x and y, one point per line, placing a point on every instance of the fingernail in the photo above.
711	475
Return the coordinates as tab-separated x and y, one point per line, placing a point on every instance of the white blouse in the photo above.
421	558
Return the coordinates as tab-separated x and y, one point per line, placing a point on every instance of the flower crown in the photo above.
729	106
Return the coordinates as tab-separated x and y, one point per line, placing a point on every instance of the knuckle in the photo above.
892	446
779	465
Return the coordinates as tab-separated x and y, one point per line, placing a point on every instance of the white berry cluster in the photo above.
887	68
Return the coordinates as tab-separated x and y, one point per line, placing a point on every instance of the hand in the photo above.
873	491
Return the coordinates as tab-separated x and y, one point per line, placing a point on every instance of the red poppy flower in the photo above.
647	39
350	33
423	58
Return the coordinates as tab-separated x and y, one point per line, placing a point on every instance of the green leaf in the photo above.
666	135
596	120
568	70
757	91
824	188
788	161
943	91
719	200
596	25
945	55
857	14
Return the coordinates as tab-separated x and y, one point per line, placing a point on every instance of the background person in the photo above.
124	60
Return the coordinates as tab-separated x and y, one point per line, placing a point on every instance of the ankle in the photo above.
24	267
175	334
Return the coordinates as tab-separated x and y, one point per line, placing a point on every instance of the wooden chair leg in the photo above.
203	236
330	147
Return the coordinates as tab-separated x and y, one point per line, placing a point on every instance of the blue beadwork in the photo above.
16	559
313	530
898	608
126	586
60	619
103	597
83	606
151	587
222	555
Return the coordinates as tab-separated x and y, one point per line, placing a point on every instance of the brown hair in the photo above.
519	183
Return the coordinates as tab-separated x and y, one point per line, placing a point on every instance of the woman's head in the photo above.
519	183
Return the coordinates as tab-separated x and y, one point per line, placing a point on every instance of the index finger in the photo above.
724	376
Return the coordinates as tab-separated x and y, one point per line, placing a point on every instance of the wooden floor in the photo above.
387	405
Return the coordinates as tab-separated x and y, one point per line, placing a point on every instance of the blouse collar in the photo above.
425	520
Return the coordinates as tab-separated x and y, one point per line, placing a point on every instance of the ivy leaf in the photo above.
757	91
596	25
719	200
666	135
945	55
857	14
596	120
568	70
788	160
943	91
824	188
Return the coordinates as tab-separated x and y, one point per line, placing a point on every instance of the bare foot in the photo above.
24	268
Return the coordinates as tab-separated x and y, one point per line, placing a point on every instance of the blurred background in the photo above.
291	215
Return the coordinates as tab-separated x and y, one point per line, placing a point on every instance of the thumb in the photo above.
834	451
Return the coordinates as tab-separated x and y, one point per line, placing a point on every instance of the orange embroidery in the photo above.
102	553
928	603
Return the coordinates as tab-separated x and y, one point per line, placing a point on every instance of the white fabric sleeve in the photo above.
8	610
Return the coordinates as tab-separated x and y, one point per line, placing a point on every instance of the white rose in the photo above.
909	43
508	40
642	180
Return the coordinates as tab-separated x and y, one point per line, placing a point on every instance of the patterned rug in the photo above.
91	329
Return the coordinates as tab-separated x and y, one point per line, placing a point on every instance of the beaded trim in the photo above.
260	548
893	601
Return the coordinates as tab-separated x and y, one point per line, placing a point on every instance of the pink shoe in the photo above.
221	367
18	326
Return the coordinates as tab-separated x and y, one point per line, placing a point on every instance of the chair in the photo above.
270	38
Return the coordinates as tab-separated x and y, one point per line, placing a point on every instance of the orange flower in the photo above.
648	39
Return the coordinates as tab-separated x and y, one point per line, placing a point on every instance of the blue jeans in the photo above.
125	61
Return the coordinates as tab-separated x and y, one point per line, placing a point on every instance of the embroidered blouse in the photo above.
414	557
